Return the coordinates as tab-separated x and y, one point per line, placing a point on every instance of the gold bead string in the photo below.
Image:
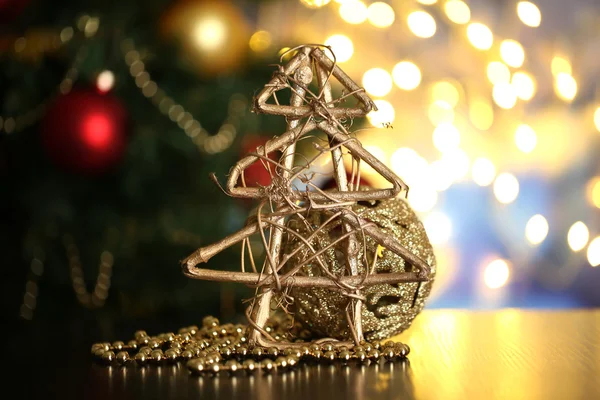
36	270
204	141
86	25
216	348
99	295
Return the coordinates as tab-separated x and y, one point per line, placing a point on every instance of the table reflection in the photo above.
383	380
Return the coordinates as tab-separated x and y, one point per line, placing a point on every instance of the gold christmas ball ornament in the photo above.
388	309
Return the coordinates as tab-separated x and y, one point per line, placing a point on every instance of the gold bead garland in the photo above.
218	348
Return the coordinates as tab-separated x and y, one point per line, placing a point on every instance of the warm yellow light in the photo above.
422	197
512	53
377	82
561	65
105	81
260	41
438	227
314	3
565	86
440	175
525	138
406	75
427	2
481	114
498	72
457	162
597	118
593	191
506	188
378	153
504	95
445	91
210	34
496	274
353	12
536	229
341	46
384	115
457	11
524	85
440	112
483	171
529	14
480	36
578	236
421	24
446	137
409	165
380	14
593	252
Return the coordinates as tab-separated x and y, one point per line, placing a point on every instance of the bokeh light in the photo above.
427	2
457	11
210	33
496	274
438	227
341	46
377	82
565	86
410	166
480	36
422	197
446	92
593	191
504	95
578	236
512	53
260	41
384	115
315	3
457	162
440	112
105	81
593	252
529	13
597	119
481	114
406	75
524	85
525	138
560	65
421	24
380	14
506	188
353	12
536	229
446	137
498	72
483	171
441	177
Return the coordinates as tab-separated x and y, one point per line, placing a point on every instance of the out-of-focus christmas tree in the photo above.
113	114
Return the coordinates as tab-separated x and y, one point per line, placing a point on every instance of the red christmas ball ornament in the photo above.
257	174
85	131
11	9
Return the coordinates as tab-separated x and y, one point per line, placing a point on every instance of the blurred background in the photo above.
113	114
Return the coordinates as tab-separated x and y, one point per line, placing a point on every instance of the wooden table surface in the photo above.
509	354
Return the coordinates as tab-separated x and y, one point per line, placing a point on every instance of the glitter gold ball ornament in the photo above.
388	309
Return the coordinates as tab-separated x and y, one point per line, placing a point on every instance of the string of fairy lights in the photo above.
86	25
512	86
